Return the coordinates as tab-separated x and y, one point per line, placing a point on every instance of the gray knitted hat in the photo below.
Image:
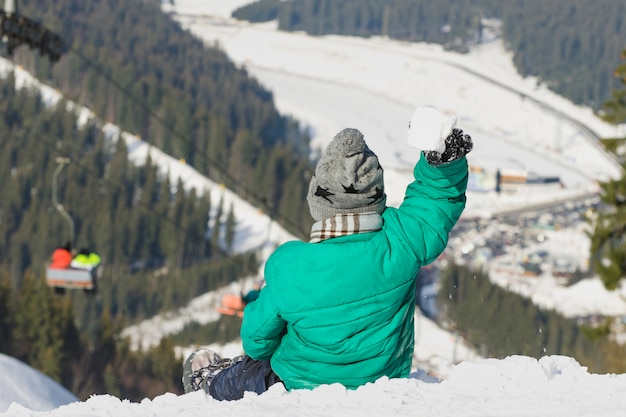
347	179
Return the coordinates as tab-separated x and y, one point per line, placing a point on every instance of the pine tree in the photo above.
5	315
608	238
40	328
165	365
615	107
231	223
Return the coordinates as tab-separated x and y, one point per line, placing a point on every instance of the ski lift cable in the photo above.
28	132
242	188
55	46
11	8
186	230
64	158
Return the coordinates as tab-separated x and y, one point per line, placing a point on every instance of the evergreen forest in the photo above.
499	323
571	45
139	70
154	243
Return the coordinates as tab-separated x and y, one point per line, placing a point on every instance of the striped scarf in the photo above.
345	224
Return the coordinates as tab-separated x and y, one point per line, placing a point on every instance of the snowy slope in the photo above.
332	82
373	84
28	387
255	230
553	386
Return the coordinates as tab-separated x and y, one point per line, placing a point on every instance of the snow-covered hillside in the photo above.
255	230
333	82
373	84
29	388
553	386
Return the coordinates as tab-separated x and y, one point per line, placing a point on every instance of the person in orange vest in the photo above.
61	257
233	304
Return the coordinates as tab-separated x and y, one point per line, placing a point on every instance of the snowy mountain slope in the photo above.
28	387
437	351
331	82
202	310
373	84
255	230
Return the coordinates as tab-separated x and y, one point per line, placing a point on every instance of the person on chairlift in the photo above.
62	257
86	259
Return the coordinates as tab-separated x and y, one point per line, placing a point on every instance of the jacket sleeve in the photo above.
262	327
433	203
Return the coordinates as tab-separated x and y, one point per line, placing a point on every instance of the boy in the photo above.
340	308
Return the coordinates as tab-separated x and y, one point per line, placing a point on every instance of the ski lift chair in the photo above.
70	277
73	278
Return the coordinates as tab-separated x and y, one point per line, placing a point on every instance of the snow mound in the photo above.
552	386
21	384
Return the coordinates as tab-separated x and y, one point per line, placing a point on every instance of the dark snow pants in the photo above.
245	375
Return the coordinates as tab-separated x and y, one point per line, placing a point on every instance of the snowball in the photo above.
429	128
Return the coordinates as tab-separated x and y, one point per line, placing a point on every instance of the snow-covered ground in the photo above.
374	84
27	386
552	386
333	82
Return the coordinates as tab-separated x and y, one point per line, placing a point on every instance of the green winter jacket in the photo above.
342	310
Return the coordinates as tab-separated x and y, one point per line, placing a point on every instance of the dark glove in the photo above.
457	146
